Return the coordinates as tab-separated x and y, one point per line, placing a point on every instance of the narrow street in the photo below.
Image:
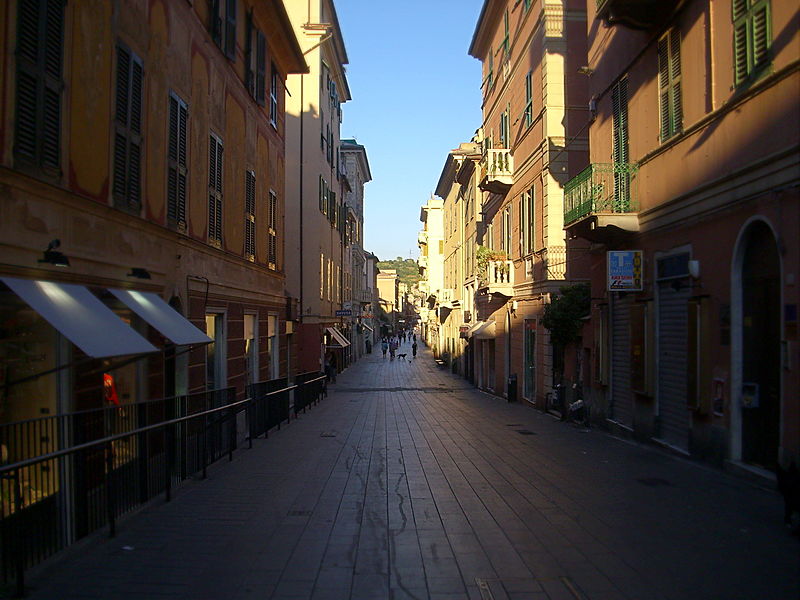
408	483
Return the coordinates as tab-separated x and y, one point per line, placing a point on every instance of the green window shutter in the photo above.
752	37
676	100
669	84
321	195
761	33
230	29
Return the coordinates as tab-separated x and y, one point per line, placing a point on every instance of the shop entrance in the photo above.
761	360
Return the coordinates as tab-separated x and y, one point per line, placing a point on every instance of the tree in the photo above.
563	317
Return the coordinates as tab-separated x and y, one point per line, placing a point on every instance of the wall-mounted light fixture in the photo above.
53	256
139	273
585	70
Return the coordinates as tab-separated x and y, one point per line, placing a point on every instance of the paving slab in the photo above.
407	482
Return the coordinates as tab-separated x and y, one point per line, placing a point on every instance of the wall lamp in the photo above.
139	273
53	256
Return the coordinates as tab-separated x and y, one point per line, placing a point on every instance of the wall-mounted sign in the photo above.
625	270
344	313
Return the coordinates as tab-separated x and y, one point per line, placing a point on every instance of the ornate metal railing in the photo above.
602	188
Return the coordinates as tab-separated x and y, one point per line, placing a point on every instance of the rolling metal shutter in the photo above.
672	332
621	396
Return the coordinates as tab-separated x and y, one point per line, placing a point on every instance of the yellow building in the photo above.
141	164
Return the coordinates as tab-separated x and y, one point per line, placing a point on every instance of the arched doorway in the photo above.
759	359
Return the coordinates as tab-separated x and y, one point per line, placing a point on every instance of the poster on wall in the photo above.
625	270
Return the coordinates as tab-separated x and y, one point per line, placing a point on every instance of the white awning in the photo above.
338	338
485	331
80	317
472	329
165	319
365	326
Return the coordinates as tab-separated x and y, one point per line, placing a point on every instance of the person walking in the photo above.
414	349
384	346
392	348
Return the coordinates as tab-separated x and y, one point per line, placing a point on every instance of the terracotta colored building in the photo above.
690	202
533	140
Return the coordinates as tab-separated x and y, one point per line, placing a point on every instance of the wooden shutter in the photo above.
261	68
176	169
250	54
128	131
250	215
272	234
761	33
215	190
230	29
40	27
676	100
669	83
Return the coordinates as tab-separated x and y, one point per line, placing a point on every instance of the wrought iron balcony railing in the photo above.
602	188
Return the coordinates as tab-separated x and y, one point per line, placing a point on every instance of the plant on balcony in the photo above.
484	256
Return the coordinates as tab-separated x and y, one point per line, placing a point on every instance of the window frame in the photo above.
744	18
126	188
215	191
177	162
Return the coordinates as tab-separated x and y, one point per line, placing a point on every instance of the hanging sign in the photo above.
625	270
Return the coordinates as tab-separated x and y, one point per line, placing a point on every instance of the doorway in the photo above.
760	365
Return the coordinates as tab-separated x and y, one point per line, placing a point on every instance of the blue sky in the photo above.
416	96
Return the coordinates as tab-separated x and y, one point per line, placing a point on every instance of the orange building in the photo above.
534	139
691	204
142	143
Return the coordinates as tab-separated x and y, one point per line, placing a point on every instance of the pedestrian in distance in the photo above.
392	348
414	349
384	346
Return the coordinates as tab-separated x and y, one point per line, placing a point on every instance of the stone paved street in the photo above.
408	483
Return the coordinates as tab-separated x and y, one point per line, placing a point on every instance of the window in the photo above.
527	5
490	75
322	276
127	190
669	84
504	130
177	171
251	347
40	38
250	215
528	99
272	232
273	96
215	191
332	207
751	37
256	62
506	45
223	26
323	196
215	351
526	221
323	137
619	108
505	240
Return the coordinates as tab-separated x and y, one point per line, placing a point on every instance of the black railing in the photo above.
67	476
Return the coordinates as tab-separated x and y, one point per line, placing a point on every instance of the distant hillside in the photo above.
407	269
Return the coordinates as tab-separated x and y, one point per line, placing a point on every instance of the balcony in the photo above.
499	278
422	237
497	171
554	261
636	14
601	203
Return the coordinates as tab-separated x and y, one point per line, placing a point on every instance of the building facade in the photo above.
358	289
690	201
142	196
316	212
431	268
533	140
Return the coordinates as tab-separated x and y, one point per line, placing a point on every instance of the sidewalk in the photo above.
406	483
